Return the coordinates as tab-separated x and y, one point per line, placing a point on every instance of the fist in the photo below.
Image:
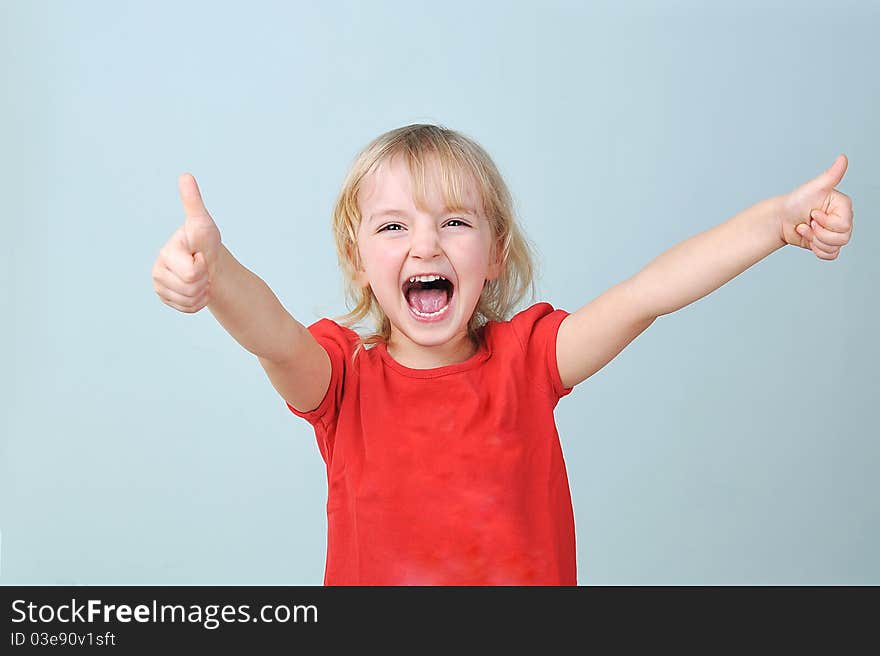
817	216
187	263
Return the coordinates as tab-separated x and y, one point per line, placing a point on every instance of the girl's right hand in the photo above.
187	263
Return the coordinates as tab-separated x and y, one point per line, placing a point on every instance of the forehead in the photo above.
392	185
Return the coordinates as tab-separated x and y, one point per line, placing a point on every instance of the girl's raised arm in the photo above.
194	270
815	216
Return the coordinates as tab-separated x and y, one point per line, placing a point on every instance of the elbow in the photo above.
641	298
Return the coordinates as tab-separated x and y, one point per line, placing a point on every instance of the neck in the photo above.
416	356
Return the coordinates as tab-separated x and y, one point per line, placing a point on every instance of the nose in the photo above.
425	242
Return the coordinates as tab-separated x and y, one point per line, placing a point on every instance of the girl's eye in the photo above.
398	227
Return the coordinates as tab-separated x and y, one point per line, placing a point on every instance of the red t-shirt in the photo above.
447	476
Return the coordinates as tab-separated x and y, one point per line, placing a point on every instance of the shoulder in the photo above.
340	341
328	328
527	346
537	321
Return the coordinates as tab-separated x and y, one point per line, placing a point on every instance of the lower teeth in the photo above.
428	315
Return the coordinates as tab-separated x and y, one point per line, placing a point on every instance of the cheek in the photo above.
385	263
382	267
369	255
475	258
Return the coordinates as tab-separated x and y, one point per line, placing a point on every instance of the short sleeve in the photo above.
536	328
339	342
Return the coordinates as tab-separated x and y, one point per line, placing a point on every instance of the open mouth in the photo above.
429	297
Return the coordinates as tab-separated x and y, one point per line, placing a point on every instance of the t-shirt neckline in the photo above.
483	352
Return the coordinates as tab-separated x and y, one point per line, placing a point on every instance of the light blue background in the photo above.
734	442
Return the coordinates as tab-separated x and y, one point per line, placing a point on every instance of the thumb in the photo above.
201	232
832	176
804	231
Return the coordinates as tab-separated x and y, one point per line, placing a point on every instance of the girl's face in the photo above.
396	242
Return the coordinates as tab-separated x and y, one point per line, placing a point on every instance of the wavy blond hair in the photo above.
461	160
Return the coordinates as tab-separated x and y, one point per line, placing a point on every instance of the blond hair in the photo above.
460	160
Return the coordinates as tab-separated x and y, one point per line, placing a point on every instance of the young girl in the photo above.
443	461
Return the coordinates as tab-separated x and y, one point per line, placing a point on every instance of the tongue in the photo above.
427	300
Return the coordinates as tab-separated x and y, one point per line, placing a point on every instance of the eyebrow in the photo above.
402	213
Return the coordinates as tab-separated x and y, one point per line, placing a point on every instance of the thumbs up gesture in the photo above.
187	263
817	216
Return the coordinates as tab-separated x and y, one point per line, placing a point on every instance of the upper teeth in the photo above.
430	278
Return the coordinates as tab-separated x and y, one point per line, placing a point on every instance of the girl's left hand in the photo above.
817	216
